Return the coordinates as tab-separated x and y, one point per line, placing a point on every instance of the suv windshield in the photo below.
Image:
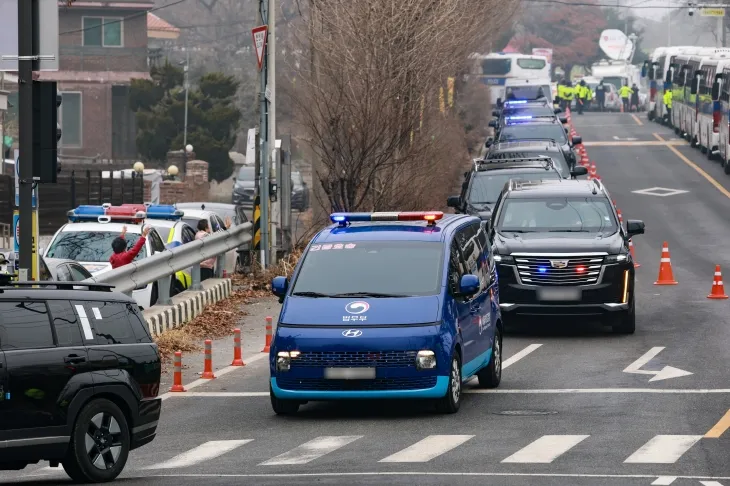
557	214
246	174
89	246
486	186
383	267
526	131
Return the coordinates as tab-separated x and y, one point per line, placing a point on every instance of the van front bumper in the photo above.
292	389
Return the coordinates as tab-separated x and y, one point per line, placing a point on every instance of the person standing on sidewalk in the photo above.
206	266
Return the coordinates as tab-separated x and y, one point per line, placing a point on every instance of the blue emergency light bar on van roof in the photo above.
343	219
133	213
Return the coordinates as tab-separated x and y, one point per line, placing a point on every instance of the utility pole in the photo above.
26	61
273	215
187	88
264	133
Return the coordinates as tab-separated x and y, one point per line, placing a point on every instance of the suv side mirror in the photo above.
454	202
563	119
557	110
493	123
489	142
469	285
634	227
496	113
578	170
577	140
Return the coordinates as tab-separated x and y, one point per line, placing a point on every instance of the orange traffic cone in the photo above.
633	255
666	277
718	289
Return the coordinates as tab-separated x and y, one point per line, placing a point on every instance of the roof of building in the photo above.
156	24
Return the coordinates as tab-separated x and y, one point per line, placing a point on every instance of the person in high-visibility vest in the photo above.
569	92
625	92
580	96
668	106
562	93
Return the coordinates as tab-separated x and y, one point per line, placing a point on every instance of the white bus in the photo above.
496	68
657	71
709	116
721	95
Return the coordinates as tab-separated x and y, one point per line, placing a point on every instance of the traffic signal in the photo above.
46	131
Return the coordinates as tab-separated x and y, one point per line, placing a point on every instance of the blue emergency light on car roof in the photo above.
107	213
163	211
343	219
515	102
520	117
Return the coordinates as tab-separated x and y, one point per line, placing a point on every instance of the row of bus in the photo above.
699	79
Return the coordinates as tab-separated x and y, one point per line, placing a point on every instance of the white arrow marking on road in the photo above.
663	374
629	139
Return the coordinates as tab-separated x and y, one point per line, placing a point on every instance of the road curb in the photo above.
186	306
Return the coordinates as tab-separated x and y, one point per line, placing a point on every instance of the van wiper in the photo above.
311	294
368	294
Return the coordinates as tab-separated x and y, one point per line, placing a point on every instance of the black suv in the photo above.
79	379
524	111
533	148
560	250
540	128
483	184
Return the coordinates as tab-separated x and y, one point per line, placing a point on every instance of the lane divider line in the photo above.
636	119
418	473
639	143
719	428
696	167
519	355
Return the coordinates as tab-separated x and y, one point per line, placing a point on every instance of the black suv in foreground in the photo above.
79	379
560	250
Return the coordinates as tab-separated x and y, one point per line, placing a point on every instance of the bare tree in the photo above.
367	98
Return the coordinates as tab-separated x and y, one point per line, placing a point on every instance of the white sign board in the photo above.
47	35
616	45
251	147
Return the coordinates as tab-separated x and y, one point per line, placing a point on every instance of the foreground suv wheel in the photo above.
99	444
625	322
451	402
283	407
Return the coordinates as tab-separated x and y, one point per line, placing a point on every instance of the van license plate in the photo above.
559	294
349	373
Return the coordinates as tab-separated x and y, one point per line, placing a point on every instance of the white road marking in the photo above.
428	448
663	449
710	483
664	481
203	452
660	191
545	449
312	450
219	373
663	374
519	355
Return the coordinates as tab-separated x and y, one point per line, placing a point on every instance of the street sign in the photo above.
48	35
17	182
712	12
259	42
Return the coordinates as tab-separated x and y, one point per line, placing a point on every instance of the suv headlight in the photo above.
283	360
425	360
620	258
504	259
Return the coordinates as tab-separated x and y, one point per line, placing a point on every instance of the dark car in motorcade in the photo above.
483	184
535	148
561	251
79	378
539	128
526	111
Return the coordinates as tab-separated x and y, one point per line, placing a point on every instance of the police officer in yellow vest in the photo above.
582	96
668	106
561	94
625	92
568	94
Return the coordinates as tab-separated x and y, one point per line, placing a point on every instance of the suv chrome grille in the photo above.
557	270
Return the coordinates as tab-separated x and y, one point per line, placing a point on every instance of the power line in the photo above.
138	14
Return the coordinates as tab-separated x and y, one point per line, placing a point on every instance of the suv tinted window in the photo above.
65	323
24	325
139	326
188	234
456	267
156	243
109	322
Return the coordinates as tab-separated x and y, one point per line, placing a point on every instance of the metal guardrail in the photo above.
161	266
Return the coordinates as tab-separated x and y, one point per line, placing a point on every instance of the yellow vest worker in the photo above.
668	99
587	93
569	90
625	91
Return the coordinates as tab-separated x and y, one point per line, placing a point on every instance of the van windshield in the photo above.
89	246
400	268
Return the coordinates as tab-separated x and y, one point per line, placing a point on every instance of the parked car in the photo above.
244	186
299	192
80	377
62	269
192	216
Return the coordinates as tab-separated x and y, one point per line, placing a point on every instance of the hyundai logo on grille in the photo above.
352	333
357	307
559	263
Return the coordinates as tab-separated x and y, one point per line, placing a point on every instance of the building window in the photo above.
102	31
70	119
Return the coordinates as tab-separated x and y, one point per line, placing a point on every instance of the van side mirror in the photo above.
279	286
469	285
695	84
493	123
454	202
716	90
578	170
634	227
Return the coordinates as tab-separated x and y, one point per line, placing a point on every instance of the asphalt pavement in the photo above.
577	405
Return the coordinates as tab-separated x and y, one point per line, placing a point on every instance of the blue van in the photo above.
388	305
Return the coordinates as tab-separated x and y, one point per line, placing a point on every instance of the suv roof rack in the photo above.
533	141
59	285
517	184
545	162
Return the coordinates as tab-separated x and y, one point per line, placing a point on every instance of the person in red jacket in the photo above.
119	245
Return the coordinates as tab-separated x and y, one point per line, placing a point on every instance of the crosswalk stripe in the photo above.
664	481
546	449
710	483
663	449
203	452
312	450
428	448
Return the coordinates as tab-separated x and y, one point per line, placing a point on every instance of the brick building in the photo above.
103	46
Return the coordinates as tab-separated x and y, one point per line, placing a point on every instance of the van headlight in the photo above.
283	360
425	360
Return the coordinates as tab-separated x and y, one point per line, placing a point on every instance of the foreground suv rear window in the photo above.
89	246
557	214
383	267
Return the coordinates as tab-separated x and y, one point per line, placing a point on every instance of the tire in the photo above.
490	376
100	423
625	323
451	402
703	149
283	407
